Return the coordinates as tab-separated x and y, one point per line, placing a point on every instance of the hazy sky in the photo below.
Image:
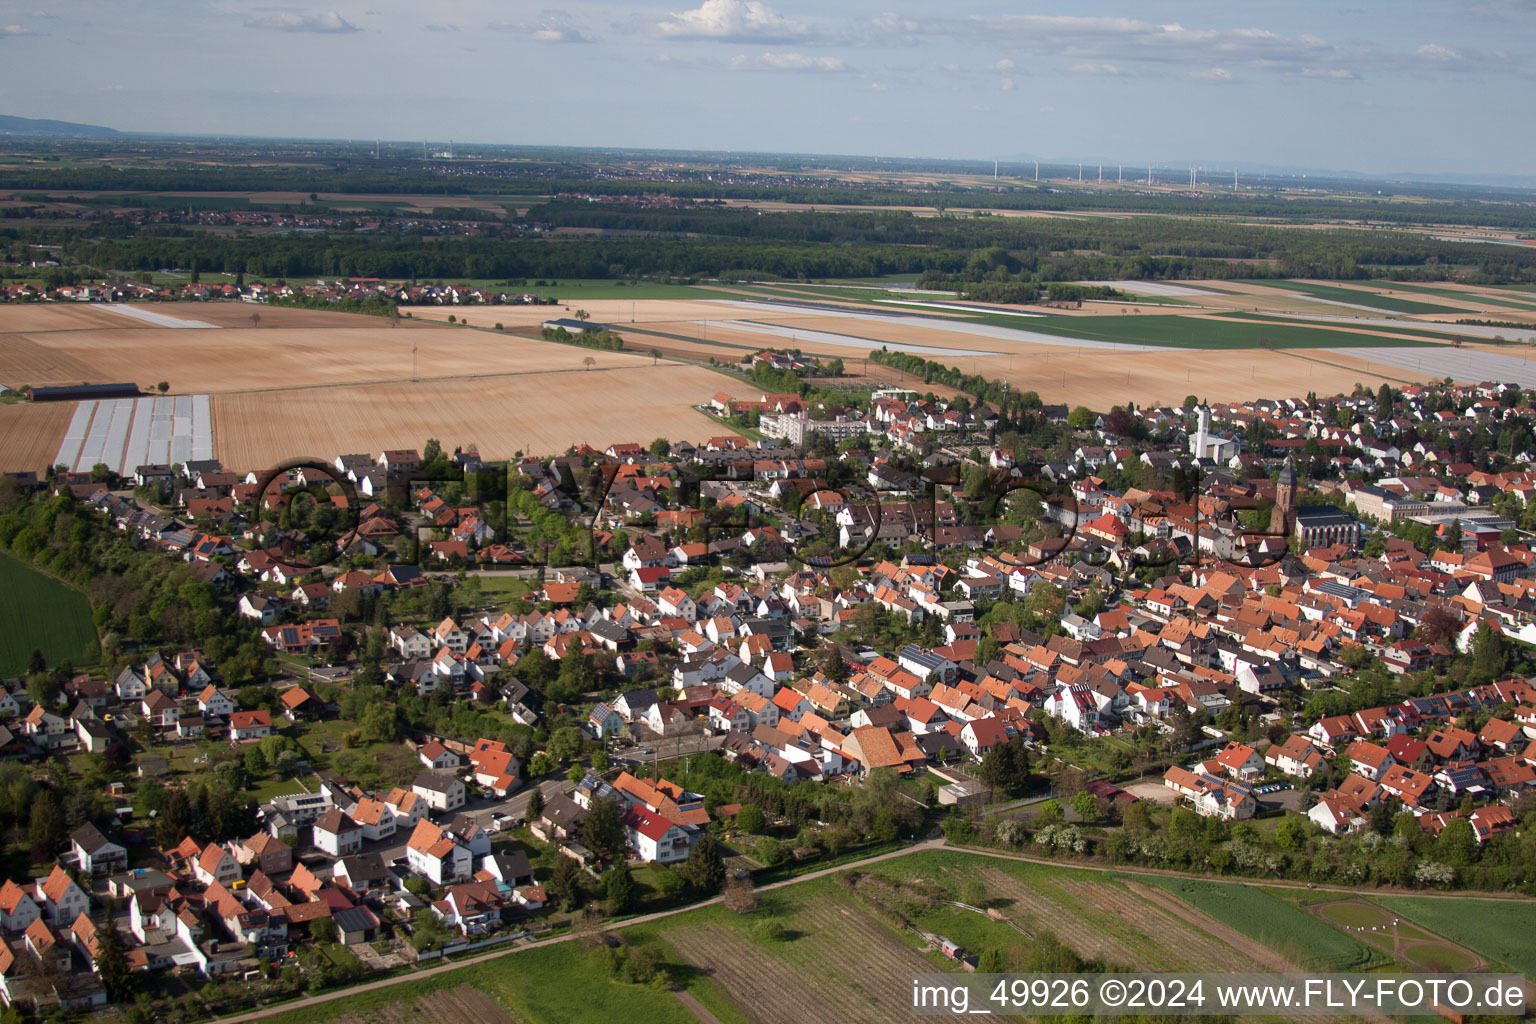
1377	87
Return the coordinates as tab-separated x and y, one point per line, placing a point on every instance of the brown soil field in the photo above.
354	349
845	965
238	314
462	1004
30	434
18	317
538	410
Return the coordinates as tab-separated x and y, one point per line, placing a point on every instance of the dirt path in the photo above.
1262	954
695	1007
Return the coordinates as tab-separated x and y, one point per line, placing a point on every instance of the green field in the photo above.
1191	332
1273	922
1357	297
38	611
1499	930
556	983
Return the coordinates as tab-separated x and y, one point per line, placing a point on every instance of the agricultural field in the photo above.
30	434
546	411
1362	297
1395	936
841	946
1498	930
1274	922
301	383
38	611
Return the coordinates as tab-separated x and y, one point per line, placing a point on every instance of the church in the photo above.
1209	447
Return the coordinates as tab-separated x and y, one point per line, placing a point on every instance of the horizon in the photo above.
1307	87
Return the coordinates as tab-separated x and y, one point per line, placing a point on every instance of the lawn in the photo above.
38	611
1191	332
1358	297
1282	927
1499	930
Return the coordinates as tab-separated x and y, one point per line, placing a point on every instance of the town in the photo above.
354	716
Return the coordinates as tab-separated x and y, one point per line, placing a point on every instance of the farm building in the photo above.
570	326
82	392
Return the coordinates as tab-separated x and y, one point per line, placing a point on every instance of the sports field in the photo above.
38	612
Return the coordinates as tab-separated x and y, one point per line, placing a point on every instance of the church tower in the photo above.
1285	500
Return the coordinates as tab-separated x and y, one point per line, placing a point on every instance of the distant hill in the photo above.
29	126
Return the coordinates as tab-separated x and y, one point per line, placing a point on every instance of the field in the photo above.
316	383
1361	297
37	611
843	946
545	411
1394	936
1499	930
553	984
1273	922
30	434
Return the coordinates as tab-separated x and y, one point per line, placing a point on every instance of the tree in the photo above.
751	819
583	315
564	743
602	830
1383	403
1291	833
619	888
1457	845
1489	658
564	884
661	448
588	362
323	930
535	804
833	666
163	386
1080	418
1438	625
112	959
1086	806
705	868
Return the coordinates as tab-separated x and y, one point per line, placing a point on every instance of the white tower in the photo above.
1202	437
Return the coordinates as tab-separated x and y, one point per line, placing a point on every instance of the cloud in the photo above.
1006	84
732	21
292	21
1440	54
1094	68
15	30
1337	74
786	62
1212	75
442	28
551	26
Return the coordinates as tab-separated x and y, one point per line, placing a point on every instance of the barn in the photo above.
83	392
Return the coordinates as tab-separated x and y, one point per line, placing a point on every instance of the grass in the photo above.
42	613
1498	930
556	983
1280	926
1357	297
1192	332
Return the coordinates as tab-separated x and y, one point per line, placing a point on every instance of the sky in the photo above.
1427	86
